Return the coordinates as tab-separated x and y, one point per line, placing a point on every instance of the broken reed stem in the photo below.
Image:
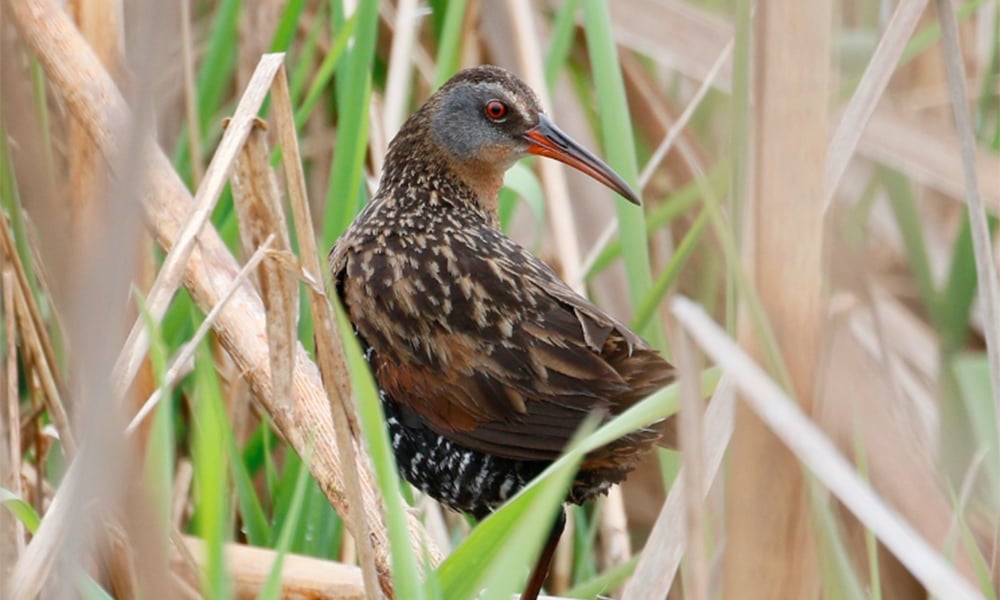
172	271
258	209
329	351
179	366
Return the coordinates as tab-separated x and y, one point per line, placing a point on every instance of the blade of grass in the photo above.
321	80
959	293
405	570
560	41
272	585
522	183
304	66
160	451
352	125
497	555
619	145
449	42
601	584
739	133
288	23
972	379
211	484
254	519
908	220
647	307
91	590
871	544
40	96
22	511
454	572
839	580
606	252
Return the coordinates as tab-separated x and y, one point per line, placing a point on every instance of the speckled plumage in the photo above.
487	362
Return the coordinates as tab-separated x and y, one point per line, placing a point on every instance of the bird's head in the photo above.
485	119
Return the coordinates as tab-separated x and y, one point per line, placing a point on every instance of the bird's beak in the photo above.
545	139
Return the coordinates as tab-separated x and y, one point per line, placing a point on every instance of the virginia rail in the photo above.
487	362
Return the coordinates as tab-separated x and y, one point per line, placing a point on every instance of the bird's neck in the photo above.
484	181
411	173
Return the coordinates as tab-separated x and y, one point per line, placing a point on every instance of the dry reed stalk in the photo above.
655	117
301	576
330	353
678	35
810	445
36	344
561	570
378	145
35	338
925	151
90	95
31	572
616	544
192	117
770	550
172	270
261	217
11	529
696	574
693	39
654	575
681	123
101	22
861	106
400	69
182	363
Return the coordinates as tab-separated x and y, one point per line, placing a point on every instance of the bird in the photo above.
487	362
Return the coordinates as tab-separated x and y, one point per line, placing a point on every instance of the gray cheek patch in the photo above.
458	126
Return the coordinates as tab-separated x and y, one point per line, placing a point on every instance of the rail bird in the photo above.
486	361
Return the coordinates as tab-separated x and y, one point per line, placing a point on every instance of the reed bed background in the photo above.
185	415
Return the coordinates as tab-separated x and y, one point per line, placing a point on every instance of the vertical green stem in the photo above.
619	146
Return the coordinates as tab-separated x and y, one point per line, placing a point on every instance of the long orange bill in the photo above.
545	139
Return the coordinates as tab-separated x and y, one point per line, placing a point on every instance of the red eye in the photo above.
496	110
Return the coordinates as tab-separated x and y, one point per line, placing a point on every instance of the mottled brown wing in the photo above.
515	379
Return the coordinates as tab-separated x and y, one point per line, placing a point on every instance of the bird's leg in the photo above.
545	559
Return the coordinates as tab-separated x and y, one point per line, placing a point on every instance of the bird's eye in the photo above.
496	110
